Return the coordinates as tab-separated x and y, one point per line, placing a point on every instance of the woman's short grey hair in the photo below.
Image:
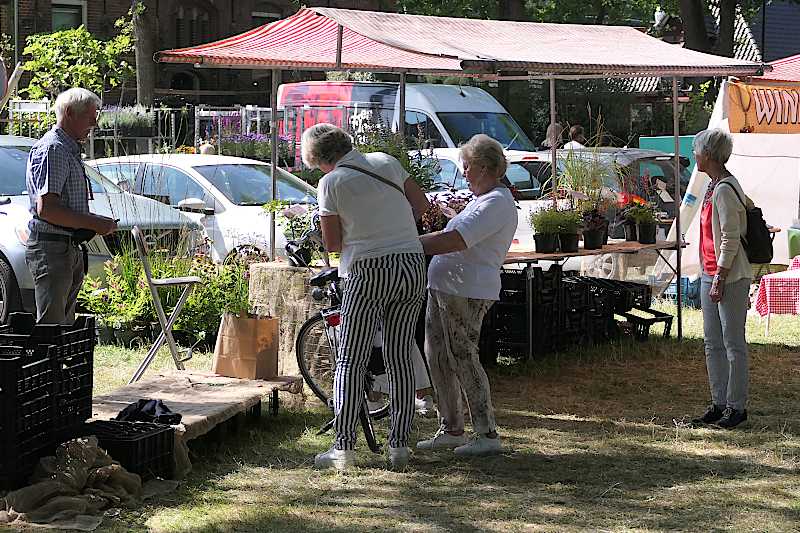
77	99
715	144
484	151
324	143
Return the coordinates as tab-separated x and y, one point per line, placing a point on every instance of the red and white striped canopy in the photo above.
786	69
391	42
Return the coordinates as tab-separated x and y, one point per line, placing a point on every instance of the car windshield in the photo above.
500	126
251	184
530	178
14	162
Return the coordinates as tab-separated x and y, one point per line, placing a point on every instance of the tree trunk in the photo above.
727	21
144	31
695	36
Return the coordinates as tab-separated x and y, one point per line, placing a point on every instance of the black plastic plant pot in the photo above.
568	242
546	243
630	232
593	239
605	233
647	233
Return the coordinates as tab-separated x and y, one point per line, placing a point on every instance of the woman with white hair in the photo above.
463	283
368	205
725	283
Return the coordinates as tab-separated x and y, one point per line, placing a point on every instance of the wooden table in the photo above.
613	247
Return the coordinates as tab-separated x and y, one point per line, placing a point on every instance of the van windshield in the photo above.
500	126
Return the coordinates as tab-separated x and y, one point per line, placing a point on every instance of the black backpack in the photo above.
757	242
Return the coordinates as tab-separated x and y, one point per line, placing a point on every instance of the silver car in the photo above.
162	224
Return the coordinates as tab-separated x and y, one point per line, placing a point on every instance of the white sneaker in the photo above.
442	441
480	445
333	458
424	405
398	457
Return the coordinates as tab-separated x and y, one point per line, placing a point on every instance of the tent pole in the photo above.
401	111
554	145
273	148
677	208
339	32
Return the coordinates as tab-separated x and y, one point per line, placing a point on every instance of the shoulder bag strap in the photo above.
377	177
734	192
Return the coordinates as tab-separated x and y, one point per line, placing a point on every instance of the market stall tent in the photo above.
341	39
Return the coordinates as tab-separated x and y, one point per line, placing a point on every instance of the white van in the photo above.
437	116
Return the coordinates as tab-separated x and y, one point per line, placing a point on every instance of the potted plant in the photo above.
595	229
545	224
568	224
130	121
645	218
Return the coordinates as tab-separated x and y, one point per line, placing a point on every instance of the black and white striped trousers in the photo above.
388	290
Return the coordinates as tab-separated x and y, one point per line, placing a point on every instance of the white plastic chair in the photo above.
187	282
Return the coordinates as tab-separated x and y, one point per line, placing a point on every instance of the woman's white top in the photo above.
376	219
487	224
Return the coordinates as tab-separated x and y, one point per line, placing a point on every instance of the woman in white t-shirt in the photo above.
368	206
463	283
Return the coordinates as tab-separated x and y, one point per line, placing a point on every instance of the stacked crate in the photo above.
45	390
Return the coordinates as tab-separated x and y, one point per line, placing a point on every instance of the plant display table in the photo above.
613	247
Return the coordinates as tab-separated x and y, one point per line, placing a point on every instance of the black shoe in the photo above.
732	418
712	415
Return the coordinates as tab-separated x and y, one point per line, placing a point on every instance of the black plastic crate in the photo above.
626	294
640	325
144	448
27	403
72	354
544	285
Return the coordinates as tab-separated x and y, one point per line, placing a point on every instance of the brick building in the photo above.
181	23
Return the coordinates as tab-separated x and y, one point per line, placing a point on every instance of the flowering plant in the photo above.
444	206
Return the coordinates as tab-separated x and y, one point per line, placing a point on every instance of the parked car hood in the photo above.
130	209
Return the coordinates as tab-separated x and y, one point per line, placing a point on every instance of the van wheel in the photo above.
10	300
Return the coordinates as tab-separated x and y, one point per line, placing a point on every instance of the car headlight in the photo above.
22	233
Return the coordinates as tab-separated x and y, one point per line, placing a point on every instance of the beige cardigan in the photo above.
729	224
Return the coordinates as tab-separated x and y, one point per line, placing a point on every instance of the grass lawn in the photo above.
594	440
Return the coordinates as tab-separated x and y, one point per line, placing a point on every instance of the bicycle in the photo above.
317	341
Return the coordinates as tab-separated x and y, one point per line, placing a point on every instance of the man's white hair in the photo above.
77	100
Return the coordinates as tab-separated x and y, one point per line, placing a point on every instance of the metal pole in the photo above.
401	109
219	133
273	140
339	32
554	145
197	128
16	32
763	30
677	208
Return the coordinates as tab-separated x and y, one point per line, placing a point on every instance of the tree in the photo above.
73	58
143	13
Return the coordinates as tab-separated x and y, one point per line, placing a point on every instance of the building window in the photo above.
68	14
265	13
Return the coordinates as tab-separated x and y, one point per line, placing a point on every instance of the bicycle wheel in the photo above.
316	356
316	348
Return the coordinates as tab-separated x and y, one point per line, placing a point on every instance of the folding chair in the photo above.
187	282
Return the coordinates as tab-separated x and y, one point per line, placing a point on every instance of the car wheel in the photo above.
608	266
10	300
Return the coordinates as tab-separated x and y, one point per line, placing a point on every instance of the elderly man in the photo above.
59	193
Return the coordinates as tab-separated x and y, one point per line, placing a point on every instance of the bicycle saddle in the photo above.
324	277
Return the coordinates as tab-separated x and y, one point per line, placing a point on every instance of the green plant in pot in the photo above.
569	222
545	224
645	218
595	227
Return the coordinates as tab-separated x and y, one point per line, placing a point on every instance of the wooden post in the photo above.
677	209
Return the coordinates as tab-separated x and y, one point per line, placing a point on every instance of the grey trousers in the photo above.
57	270
725	344
452	331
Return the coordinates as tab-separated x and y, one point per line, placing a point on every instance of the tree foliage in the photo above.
74	58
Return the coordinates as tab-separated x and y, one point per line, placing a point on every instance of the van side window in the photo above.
421	132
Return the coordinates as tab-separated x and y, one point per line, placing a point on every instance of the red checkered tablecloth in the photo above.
795	265
779	293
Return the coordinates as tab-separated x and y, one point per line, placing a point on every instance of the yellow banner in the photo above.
763	108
